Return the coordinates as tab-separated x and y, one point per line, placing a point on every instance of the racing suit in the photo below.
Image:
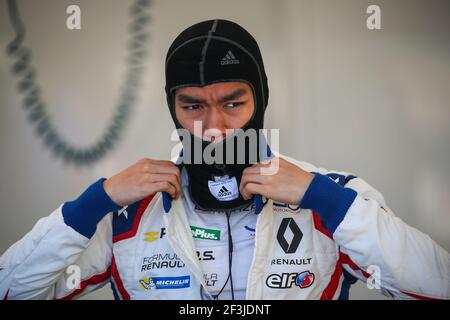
342	231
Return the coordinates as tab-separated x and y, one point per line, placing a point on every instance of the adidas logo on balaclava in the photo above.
209	52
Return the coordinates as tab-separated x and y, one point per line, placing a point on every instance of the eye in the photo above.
192	107
233	105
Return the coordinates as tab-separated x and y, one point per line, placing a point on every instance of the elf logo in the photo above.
229	59
205	234
285	280
223	192
292	245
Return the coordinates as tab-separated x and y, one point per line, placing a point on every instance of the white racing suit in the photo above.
344	231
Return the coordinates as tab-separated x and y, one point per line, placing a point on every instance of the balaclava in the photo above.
210	52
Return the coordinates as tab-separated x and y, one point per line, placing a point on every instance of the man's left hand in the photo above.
287	185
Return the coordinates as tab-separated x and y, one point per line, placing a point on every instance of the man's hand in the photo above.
287	185
142	179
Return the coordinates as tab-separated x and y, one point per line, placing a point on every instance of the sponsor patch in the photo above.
288	261
224	188
161	261
205	234
153	236
286	280
289	245
152	283
210	279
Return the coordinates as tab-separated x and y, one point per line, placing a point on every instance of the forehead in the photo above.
216	89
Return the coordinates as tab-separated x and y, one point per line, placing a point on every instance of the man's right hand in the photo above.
142	179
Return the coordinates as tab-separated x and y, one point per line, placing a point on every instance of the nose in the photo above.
214	124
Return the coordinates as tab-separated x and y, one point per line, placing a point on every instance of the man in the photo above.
200	230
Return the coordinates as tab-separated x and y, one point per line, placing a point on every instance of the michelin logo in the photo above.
151	283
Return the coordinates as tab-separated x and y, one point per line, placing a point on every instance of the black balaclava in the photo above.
210	52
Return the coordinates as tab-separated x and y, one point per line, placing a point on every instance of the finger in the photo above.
172	179
264	163
251	178
158	167
256	168
253	169
161	186
169	167
267	163
145	160
253	188
166	163
159	177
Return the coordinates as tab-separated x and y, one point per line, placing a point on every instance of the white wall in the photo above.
375	103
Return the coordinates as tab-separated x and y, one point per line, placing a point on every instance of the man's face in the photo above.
220	106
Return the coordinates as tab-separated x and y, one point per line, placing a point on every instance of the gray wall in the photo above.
375	103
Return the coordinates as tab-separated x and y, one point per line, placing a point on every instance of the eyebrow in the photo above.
184	98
